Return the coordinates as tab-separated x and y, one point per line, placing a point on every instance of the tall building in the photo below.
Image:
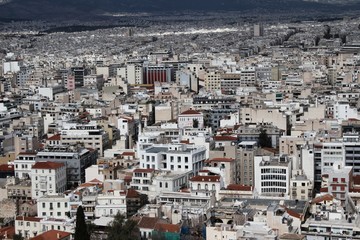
158	73
79	73
258	30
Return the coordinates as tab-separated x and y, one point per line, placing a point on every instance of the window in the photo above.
166	185
161	184
58	205
43	205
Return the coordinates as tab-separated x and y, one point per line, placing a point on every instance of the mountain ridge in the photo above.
47	9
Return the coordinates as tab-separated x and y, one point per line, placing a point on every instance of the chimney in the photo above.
58	236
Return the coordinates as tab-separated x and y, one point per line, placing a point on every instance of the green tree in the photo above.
81	230
195	123
264	139
18	237
120	229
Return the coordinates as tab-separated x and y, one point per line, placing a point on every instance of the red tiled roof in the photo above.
132	193
238	187
356	179
190	112
28	219
52	235
7	232
47	165
144	170
27	153
205	179
128	154
55	137
166	227
220	160
323	189
6	168
95	180
326	197
225	138
148	222
293	213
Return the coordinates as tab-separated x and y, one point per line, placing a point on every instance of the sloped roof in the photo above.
238	187
205	179
166	227
220	160
190	112
52	235
55	137
326	197
6	168
28	219
148	222
47	165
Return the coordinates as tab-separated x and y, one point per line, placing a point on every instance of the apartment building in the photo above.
54	206
272	175
48	178
191	119
23	163
90	135
76	159
173	157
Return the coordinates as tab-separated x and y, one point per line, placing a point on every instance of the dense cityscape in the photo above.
219	125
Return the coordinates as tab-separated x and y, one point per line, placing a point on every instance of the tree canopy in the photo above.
81	230
121	229
264	139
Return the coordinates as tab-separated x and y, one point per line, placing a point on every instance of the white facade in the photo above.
48	178
343	111
53	206
23	164
332	154
28	227
11	67
206	186
173	157
110	203
187	119
272	175
93	172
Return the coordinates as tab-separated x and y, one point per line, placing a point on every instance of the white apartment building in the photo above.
332	153
190	119
54	206
94	80
272	175
48	178
173	157
28	227
343	111
23	164
110	203
205	185
91	135
142	179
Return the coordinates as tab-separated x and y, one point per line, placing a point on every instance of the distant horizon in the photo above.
80	9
